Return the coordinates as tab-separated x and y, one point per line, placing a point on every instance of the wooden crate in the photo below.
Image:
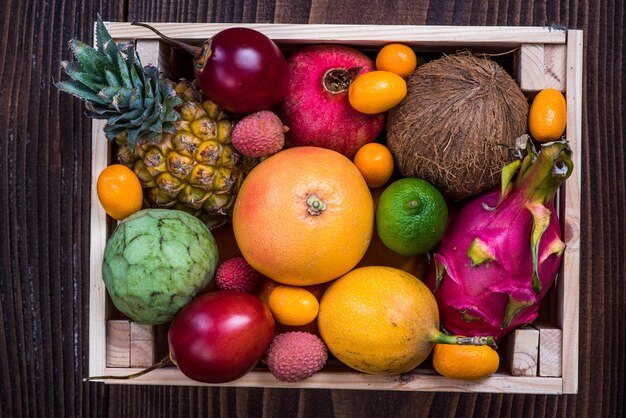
543	57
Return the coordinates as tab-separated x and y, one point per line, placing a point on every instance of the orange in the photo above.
119	191
379	320
375	162
465	361
376	91
304	216
397	58
292	305
265	290
547	116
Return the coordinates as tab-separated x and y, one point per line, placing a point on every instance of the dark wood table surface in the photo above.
44	216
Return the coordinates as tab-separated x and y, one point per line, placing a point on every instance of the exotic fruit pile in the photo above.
280	210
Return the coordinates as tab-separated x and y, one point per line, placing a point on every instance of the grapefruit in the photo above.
304	216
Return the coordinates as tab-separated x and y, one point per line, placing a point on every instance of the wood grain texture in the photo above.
568	295
118	343
550	350
542	67
141	345
523	351
45	166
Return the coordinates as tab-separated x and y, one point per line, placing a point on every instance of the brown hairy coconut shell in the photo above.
450	129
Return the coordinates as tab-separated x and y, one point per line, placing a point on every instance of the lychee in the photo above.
295	356
259	134
237	274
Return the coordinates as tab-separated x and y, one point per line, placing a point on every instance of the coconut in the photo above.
461	116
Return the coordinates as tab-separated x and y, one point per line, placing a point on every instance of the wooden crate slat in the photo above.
343	379
568	286
356	34
98	237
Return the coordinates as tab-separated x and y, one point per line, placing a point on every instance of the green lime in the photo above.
411	216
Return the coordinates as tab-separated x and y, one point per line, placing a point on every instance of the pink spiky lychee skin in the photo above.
259	134
295	356
483	291
237	274
317	117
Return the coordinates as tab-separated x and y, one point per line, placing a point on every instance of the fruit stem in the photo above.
413	205
337	80
442	338
193	50
166	361
544	173
316	205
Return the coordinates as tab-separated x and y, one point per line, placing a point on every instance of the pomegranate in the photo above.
240	69
316	108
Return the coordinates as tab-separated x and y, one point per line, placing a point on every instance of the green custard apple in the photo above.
156	261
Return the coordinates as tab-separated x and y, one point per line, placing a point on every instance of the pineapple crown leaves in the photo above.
110	79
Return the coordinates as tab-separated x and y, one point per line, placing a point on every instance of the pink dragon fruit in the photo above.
501	252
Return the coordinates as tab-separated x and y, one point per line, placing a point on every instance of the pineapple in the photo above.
177	143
